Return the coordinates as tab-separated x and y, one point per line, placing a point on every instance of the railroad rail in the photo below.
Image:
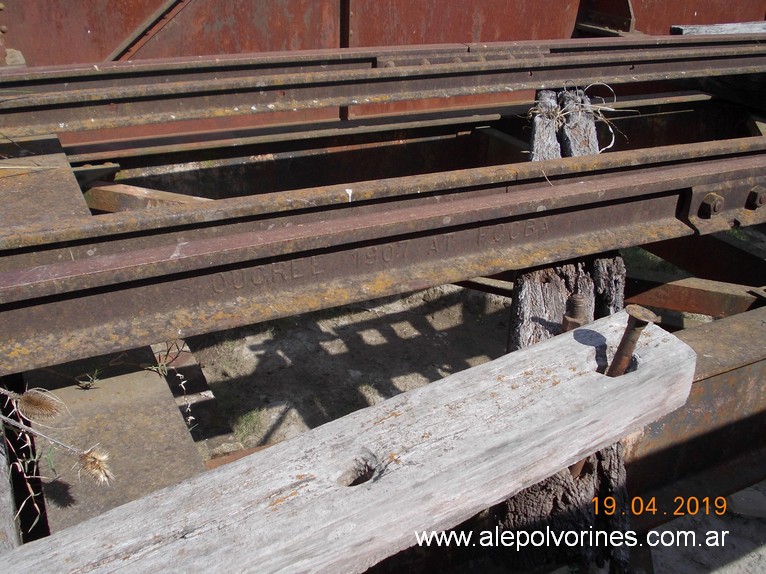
115	95
68	277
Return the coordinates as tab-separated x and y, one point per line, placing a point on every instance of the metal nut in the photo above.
757	197
712	204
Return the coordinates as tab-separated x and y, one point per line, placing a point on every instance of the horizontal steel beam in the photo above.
115	95
64	310
690	295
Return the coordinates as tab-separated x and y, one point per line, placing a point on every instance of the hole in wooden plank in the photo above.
361	469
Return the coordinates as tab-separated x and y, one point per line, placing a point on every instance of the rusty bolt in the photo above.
3	29
712	204
2	6
576	316
757	197
638	318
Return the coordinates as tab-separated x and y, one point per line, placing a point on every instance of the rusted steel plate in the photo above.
258	141
243	91
39	190
97	30
72	31
657	16
718	258
197	286
242	26
402	22
722	419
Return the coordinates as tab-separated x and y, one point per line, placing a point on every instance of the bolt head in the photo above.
641	314
712	204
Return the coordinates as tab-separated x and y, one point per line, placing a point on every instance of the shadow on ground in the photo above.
277	379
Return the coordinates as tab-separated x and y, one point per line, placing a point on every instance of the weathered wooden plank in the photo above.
9	534
443	452
733	28
113	197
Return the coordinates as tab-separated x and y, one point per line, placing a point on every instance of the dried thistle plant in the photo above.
39	405
93	462
35	404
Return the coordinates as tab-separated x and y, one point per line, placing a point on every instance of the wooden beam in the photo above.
431	457
732	28
113	197
9	534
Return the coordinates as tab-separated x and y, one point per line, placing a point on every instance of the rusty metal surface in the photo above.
38	190
194	285
124	94
657	16
149	28
208	27
691	295
718	258
132	412
97	30
403	22
492	179
724	417
73	31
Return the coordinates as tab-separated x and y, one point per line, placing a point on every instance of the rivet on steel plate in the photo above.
712	204
638	318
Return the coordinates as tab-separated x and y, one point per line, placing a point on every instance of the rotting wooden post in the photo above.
9	534
578	134
545	124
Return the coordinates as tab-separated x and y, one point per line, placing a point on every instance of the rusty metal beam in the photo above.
724	420
691	295
483	180
61	310
117	95
718	258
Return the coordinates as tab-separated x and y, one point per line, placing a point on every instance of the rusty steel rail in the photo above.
126	94
130	278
